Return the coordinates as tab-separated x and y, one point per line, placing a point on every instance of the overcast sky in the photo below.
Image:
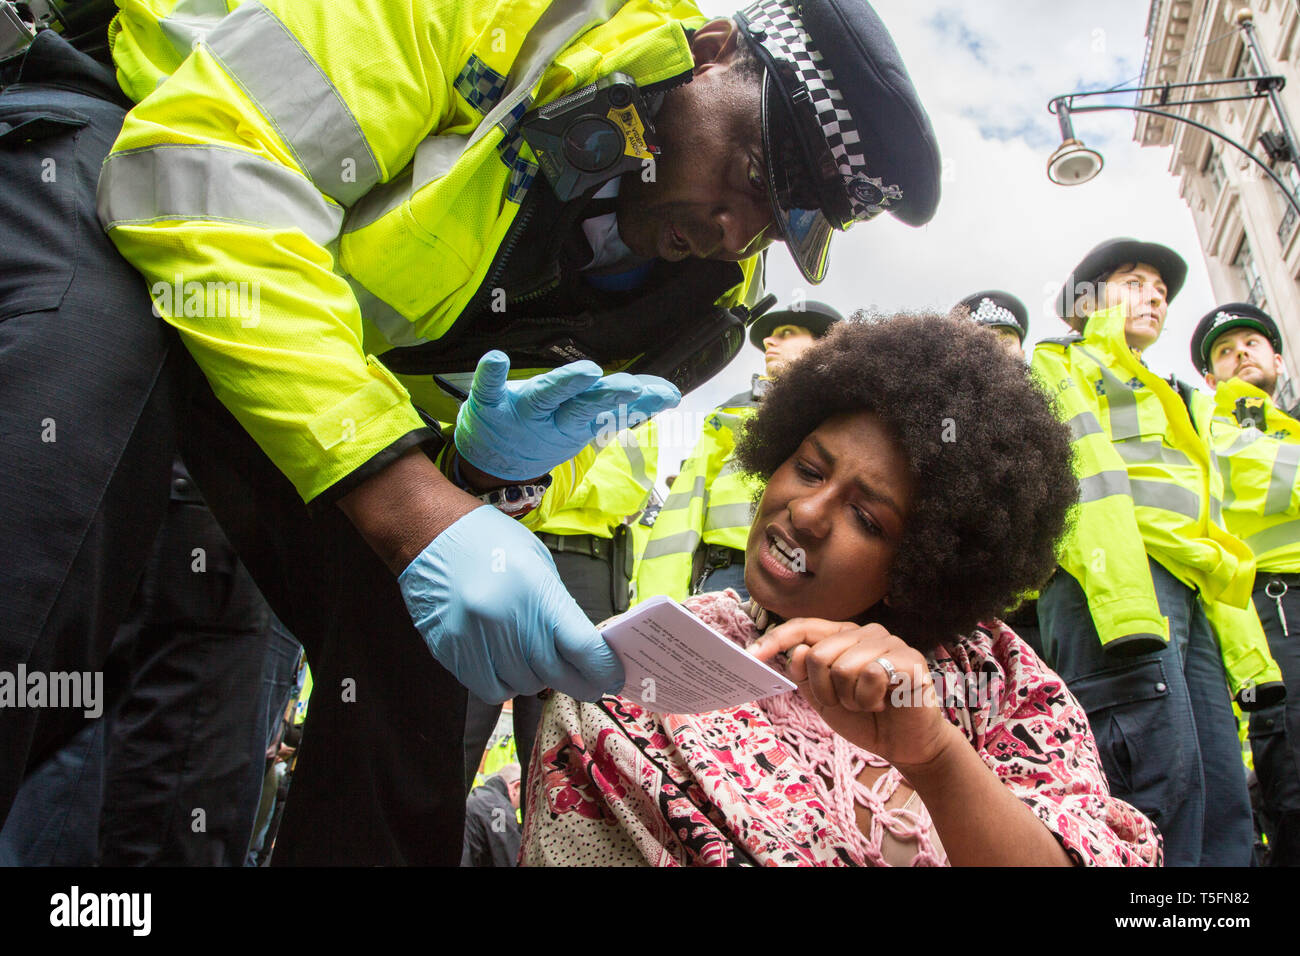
985	71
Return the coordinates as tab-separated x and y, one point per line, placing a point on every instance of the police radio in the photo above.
592	135
1249	412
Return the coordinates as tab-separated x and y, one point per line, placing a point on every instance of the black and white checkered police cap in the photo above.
844	135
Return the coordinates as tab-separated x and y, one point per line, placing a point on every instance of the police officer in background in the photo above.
698	540
1148	618
378	229
1003	313
1007	316
1238	348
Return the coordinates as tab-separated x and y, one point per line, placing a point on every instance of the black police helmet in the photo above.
996	308
1225	318
1081	292
816	317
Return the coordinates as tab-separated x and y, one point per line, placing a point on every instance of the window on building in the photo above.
1251	276
1213	169
1243	66
1286	171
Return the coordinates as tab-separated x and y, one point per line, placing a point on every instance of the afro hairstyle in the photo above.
990	462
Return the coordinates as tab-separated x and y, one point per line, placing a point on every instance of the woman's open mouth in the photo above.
784	560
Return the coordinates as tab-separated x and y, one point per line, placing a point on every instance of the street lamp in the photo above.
1074	163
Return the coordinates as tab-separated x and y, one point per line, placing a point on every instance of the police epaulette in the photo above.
1063	340
743	399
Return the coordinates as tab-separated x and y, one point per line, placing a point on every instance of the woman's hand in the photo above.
980	820
837	666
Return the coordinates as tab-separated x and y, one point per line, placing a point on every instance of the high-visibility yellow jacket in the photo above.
1148	487
614	486
357	166
1261	503
640	531
711	502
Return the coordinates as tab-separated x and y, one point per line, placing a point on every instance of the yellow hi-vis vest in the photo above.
711	502
613	488
1261	503
1148	486
346	173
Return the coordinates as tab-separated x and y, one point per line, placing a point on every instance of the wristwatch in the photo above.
515	500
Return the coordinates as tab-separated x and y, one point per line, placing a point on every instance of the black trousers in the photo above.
95	395
172	774
185	747
1275	731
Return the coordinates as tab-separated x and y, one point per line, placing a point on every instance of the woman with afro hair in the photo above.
914	485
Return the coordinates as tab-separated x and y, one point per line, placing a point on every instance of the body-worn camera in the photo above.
592	135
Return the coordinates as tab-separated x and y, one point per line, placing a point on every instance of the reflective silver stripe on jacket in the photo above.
1245	437
729	467
1167	497
1229	489
737	515
190	21
682	497
684	542
211	183
1084	423
1278	536
555	29
1150	452
1103	485
388	320
636	461
274	70
1281	481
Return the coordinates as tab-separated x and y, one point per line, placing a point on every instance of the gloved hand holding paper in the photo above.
503	628
677	664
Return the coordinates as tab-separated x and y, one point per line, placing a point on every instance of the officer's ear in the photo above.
714	44
1278	364
1210	380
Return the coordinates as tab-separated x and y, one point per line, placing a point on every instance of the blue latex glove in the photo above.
521	430
486	598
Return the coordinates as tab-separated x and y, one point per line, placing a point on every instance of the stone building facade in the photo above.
1249	233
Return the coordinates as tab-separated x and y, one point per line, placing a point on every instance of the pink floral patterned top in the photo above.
769	783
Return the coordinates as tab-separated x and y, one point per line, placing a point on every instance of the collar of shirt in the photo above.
607	246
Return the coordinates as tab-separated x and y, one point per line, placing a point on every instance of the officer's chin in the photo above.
638	235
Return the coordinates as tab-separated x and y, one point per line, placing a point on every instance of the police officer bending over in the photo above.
561	181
